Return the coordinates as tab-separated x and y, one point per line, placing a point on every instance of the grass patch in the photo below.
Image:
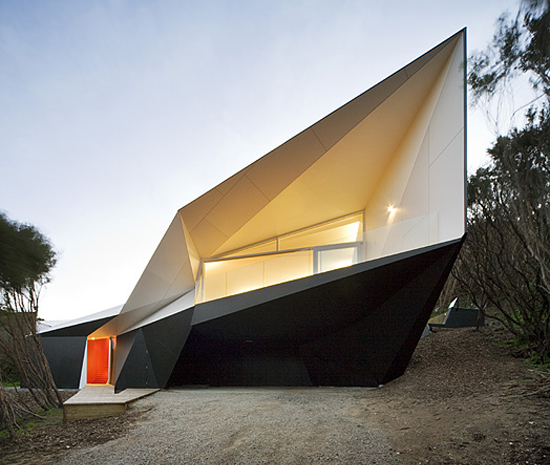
50	417
538	361
523	349
29	433
11	381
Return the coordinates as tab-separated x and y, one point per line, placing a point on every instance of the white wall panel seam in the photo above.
447	146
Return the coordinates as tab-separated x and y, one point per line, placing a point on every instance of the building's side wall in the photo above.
400	144
425	181
150	353
349	327
65	355
168	275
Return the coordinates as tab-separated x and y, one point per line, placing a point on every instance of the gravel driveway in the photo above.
248	426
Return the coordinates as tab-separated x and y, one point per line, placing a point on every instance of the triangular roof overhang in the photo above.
332	168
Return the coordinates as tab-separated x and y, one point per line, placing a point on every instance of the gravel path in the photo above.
248	426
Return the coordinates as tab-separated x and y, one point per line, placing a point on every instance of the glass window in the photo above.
348	229
288	266
214	287
267	267
246	278
264	247
229	277
332	259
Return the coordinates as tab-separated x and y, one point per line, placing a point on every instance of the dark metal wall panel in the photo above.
379	347
148	354
165	339
359	330
137	371
464	317
83	329
65	356
124	344
432	287
230	363
356	326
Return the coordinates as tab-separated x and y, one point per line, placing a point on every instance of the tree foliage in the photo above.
26	259
520	45
504	266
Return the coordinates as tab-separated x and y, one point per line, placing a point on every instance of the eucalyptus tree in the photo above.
504	265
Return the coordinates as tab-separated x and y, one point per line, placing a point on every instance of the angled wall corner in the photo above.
150	352
398	144
370	160
319	262
168	275
425	182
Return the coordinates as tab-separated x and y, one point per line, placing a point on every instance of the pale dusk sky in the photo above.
114	114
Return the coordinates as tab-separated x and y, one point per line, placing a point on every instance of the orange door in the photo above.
98	361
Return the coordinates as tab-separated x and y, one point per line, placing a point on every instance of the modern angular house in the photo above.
318	264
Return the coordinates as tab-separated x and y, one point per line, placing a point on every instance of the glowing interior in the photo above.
395	153
324	247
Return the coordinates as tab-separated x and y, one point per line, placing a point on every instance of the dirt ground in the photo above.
465	399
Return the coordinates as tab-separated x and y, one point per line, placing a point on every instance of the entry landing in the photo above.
101	401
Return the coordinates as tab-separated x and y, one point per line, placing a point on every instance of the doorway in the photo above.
99	355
